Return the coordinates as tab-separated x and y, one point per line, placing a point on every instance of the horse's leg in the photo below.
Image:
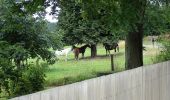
106	52
109	52
77	56
82	55
118	48
115	49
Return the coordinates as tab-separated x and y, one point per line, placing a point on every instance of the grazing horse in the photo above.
112	46
63	52
78	50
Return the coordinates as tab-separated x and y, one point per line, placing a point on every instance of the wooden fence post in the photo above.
112	62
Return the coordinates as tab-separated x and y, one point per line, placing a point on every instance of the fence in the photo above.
144	83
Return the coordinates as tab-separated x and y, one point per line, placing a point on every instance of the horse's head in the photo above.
73	47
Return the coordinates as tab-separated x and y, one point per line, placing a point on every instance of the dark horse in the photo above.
78	50
112	46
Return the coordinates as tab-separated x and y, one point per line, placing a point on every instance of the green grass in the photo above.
66	72
63	72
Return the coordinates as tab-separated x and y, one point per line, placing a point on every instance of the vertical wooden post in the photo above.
112	62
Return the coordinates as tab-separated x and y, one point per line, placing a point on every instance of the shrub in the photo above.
17	77
36	76
31	80
165	53
23	81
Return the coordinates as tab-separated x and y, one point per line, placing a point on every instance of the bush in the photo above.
36	76
16	77
165	53
22	87
23	81
31	80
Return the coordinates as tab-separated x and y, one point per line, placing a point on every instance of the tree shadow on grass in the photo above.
102	56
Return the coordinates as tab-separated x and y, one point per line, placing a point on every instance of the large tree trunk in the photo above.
134	48
93	51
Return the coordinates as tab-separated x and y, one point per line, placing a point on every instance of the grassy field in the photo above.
65	72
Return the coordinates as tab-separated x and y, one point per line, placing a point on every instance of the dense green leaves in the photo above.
94	21
88	23
165	53
31	33
23	36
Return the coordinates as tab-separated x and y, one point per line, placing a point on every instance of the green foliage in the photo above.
57	37
22	36
52	26
88	21
30	80
16	77
165	53
18	26
157	19
81	27
94	21
35	75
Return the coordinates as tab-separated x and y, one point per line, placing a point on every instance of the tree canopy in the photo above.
23	36
89	21
19	26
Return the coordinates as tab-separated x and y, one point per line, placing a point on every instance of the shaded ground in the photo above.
99	56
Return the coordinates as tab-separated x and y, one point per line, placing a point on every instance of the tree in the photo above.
19	26
164	39
22	36
121	16
129	16
81	28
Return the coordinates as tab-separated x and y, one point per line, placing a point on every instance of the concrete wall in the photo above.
144	83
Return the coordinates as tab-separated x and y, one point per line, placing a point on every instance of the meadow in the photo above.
66	72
